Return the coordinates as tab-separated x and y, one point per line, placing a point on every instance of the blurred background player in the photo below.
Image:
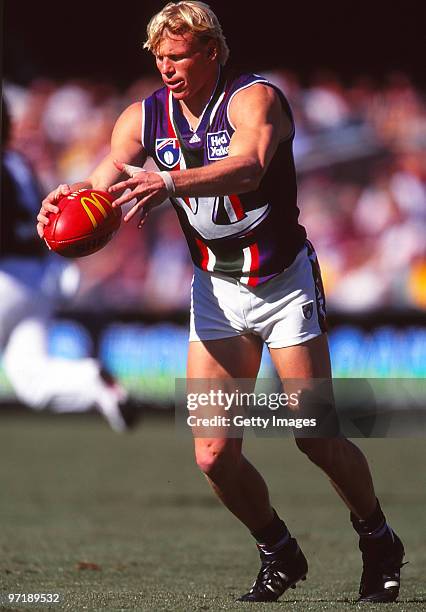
33	283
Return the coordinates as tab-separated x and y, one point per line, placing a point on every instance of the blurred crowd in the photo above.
360	155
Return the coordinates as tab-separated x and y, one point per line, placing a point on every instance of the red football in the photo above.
86	221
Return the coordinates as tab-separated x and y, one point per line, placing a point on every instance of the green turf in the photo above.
73	492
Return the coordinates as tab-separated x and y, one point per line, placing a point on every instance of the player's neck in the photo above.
193	107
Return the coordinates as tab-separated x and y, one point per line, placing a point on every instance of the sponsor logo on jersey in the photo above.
195	139
308	310
168	151
217	145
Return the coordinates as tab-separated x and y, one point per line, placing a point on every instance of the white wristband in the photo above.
169	182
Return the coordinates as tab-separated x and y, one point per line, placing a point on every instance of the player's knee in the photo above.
215	459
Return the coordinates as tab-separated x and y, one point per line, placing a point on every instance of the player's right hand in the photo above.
48	205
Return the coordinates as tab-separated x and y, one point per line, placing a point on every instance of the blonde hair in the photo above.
190	16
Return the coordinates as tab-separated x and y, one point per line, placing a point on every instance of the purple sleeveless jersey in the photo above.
250	236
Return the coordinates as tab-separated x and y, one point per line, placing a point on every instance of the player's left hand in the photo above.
147	187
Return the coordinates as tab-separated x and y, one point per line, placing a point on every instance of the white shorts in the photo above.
288	309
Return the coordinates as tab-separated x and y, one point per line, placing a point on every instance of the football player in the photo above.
222	141
32	283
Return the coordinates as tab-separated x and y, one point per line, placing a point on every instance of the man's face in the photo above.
185	64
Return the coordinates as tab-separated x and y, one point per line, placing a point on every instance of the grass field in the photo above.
116	522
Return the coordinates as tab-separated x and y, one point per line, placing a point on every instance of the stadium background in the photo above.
353	73
357	98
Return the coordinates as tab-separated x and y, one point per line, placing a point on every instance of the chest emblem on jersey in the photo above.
218	145
168	151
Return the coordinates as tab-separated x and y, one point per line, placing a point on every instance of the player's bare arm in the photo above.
125	145
260	124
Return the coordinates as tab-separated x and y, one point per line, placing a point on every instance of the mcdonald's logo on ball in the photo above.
85	223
